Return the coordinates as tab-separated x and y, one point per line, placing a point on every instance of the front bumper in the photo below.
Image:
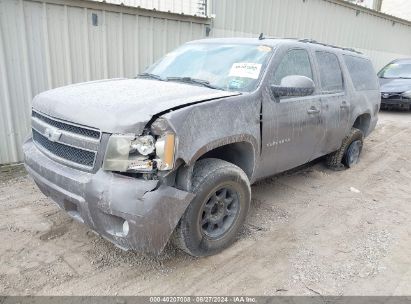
403	103
104	200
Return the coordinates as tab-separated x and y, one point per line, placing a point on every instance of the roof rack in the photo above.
262	37
329	45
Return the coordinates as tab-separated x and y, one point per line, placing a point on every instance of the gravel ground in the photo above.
311	231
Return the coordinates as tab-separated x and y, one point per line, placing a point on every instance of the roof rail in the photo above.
262	37
329	45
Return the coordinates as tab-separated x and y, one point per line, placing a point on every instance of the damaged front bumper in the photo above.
129	212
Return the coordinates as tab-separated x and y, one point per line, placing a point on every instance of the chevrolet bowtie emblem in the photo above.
53	134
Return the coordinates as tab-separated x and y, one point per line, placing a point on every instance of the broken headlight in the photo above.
128	153
143	145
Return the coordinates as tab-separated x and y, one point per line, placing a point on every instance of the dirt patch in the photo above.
9	172
308	233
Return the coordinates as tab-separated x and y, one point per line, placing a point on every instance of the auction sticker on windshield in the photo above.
245	69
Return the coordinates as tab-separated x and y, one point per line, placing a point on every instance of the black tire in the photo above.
201	232
340	159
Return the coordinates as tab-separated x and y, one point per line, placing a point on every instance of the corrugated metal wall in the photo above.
187	7
46	44
380	36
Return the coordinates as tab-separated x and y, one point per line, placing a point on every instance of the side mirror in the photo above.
294	85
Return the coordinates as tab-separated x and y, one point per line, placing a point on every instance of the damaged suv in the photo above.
171	154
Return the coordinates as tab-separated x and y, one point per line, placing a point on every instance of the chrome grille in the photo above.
65	142
75	155
68	127
391	96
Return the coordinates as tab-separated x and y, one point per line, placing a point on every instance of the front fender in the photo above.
203	127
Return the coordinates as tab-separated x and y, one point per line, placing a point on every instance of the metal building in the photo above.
380	36
50	43
186	7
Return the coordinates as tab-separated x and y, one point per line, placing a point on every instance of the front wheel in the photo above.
216	214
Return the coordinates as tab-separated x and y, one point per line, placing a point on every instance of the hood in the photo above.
395	85
120	105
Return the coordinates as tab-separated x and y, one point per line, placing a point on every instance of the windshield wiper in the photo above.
154	76
202	82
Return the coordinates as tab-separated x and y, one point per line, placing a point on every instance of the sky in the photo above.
398	8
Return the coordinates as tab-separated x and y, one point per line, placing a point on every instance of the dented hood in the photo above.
120	105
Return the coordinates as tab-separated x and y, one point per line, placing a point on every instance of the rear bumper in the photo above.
104	201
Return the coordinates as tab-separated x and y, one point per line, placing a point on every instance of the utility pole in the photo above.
377	4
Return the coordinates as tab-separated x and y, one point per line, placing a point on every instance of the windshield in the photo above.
396	70
233	67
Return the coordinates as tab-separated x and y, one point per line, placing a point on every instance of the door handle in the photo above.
344	104
313	110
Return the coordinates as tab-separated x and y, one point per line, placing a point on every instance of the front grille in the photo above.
75	155
60	141
68	127
396	96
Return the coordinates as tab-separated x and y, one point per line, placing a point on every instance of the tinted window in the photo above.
362	73
330	72
295	62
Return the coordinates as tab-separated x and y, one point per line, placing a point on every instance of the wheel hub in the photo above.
219	212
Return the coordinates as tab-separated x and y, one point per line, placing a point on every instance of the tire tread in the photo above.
334	160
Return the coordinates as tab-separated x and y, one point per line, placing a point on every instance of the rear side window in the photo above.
330	72
295	62
362	73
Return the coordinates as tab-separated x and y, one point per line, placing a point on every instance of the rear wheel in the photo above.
216	214
349	153
352	155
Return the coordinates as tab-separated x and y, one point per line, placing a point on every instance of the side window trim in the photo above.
344	85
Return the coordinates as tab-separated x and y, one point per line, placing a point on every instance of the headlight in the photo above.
117	153
143	144
127	153
165	147
407	94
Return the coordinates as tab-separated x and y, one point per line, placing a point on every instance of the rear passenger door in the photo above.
335	106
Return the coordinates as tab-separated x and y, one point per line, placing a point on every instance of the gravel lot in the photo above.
311	231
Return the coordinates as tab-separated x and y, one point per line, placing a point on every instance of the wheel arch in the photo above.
240	153
362	122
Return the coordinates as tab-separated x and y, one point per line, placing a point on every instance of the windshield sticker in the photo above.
236	84
246	70
264	48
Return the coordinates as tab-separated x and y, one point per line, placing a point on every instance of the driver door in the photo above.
292	127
